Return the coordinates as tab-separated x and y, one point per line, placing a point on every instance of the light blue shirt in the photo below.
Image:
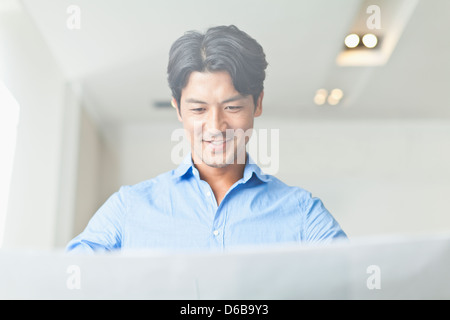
178	211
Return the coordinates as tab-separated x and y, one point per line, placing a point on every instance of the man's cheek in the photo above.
197	130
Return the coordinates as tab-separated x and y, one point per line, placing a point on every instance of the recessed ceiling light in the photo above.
337	94
352	40
370	40
321	97
333	98
332	101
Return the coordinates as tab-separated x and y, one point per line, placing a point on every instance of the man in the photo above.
217	198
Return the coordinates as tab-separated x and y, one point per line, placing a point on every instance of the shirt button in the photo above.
216	232
208	194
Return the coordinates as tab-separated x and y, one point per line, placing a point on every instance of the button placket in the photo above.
217	214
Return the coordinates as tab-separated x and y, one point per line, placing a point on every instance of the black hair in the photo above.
222	48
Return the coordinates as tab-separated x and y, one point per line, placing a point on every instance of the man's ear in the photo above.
258	109
175	105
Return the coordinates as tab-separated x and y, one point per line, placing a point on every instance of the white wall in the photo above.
145	150
97	172
68	180
64	167
29	71
376	177
87	191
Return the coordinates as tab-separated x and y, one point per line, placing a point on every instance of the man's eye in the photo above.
198	109
234	108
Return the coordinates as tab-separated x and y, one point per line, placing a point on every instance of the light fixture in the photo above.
333	98
321	97
337	94
332	101
370	40
352	40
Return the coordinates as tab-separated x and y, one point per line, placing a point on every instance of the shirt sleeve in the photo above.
318	223
104	230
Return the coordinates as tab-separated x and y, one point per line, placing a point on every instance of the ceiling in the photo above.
119	55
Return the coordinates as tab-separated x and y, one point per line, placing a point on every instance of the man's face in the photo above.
216	118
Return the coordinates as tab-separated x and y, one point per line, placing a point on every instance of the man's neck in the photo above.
220	179
229	174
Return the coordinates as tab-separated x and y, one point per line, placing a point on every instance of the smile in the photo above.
217	144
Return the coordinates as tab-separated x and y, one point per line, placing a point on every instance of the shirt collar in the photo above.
187	167
252	168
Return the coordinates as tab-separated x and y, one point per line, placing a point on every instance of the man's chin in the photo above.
220	159
216	165
217	161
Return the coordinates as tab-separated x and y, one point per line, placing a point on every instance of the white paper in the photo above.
371	268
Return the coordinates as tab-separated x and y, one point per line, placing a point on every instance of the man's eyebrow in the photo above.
235	98
195	101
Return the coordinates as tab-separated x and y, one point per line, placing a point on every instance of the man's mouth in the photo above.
217	144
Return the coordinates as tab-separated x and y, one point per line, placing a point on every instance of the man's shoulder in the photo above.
283	187
160	181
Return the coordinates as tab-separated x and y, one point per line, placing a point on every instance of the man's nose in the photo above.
215	122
